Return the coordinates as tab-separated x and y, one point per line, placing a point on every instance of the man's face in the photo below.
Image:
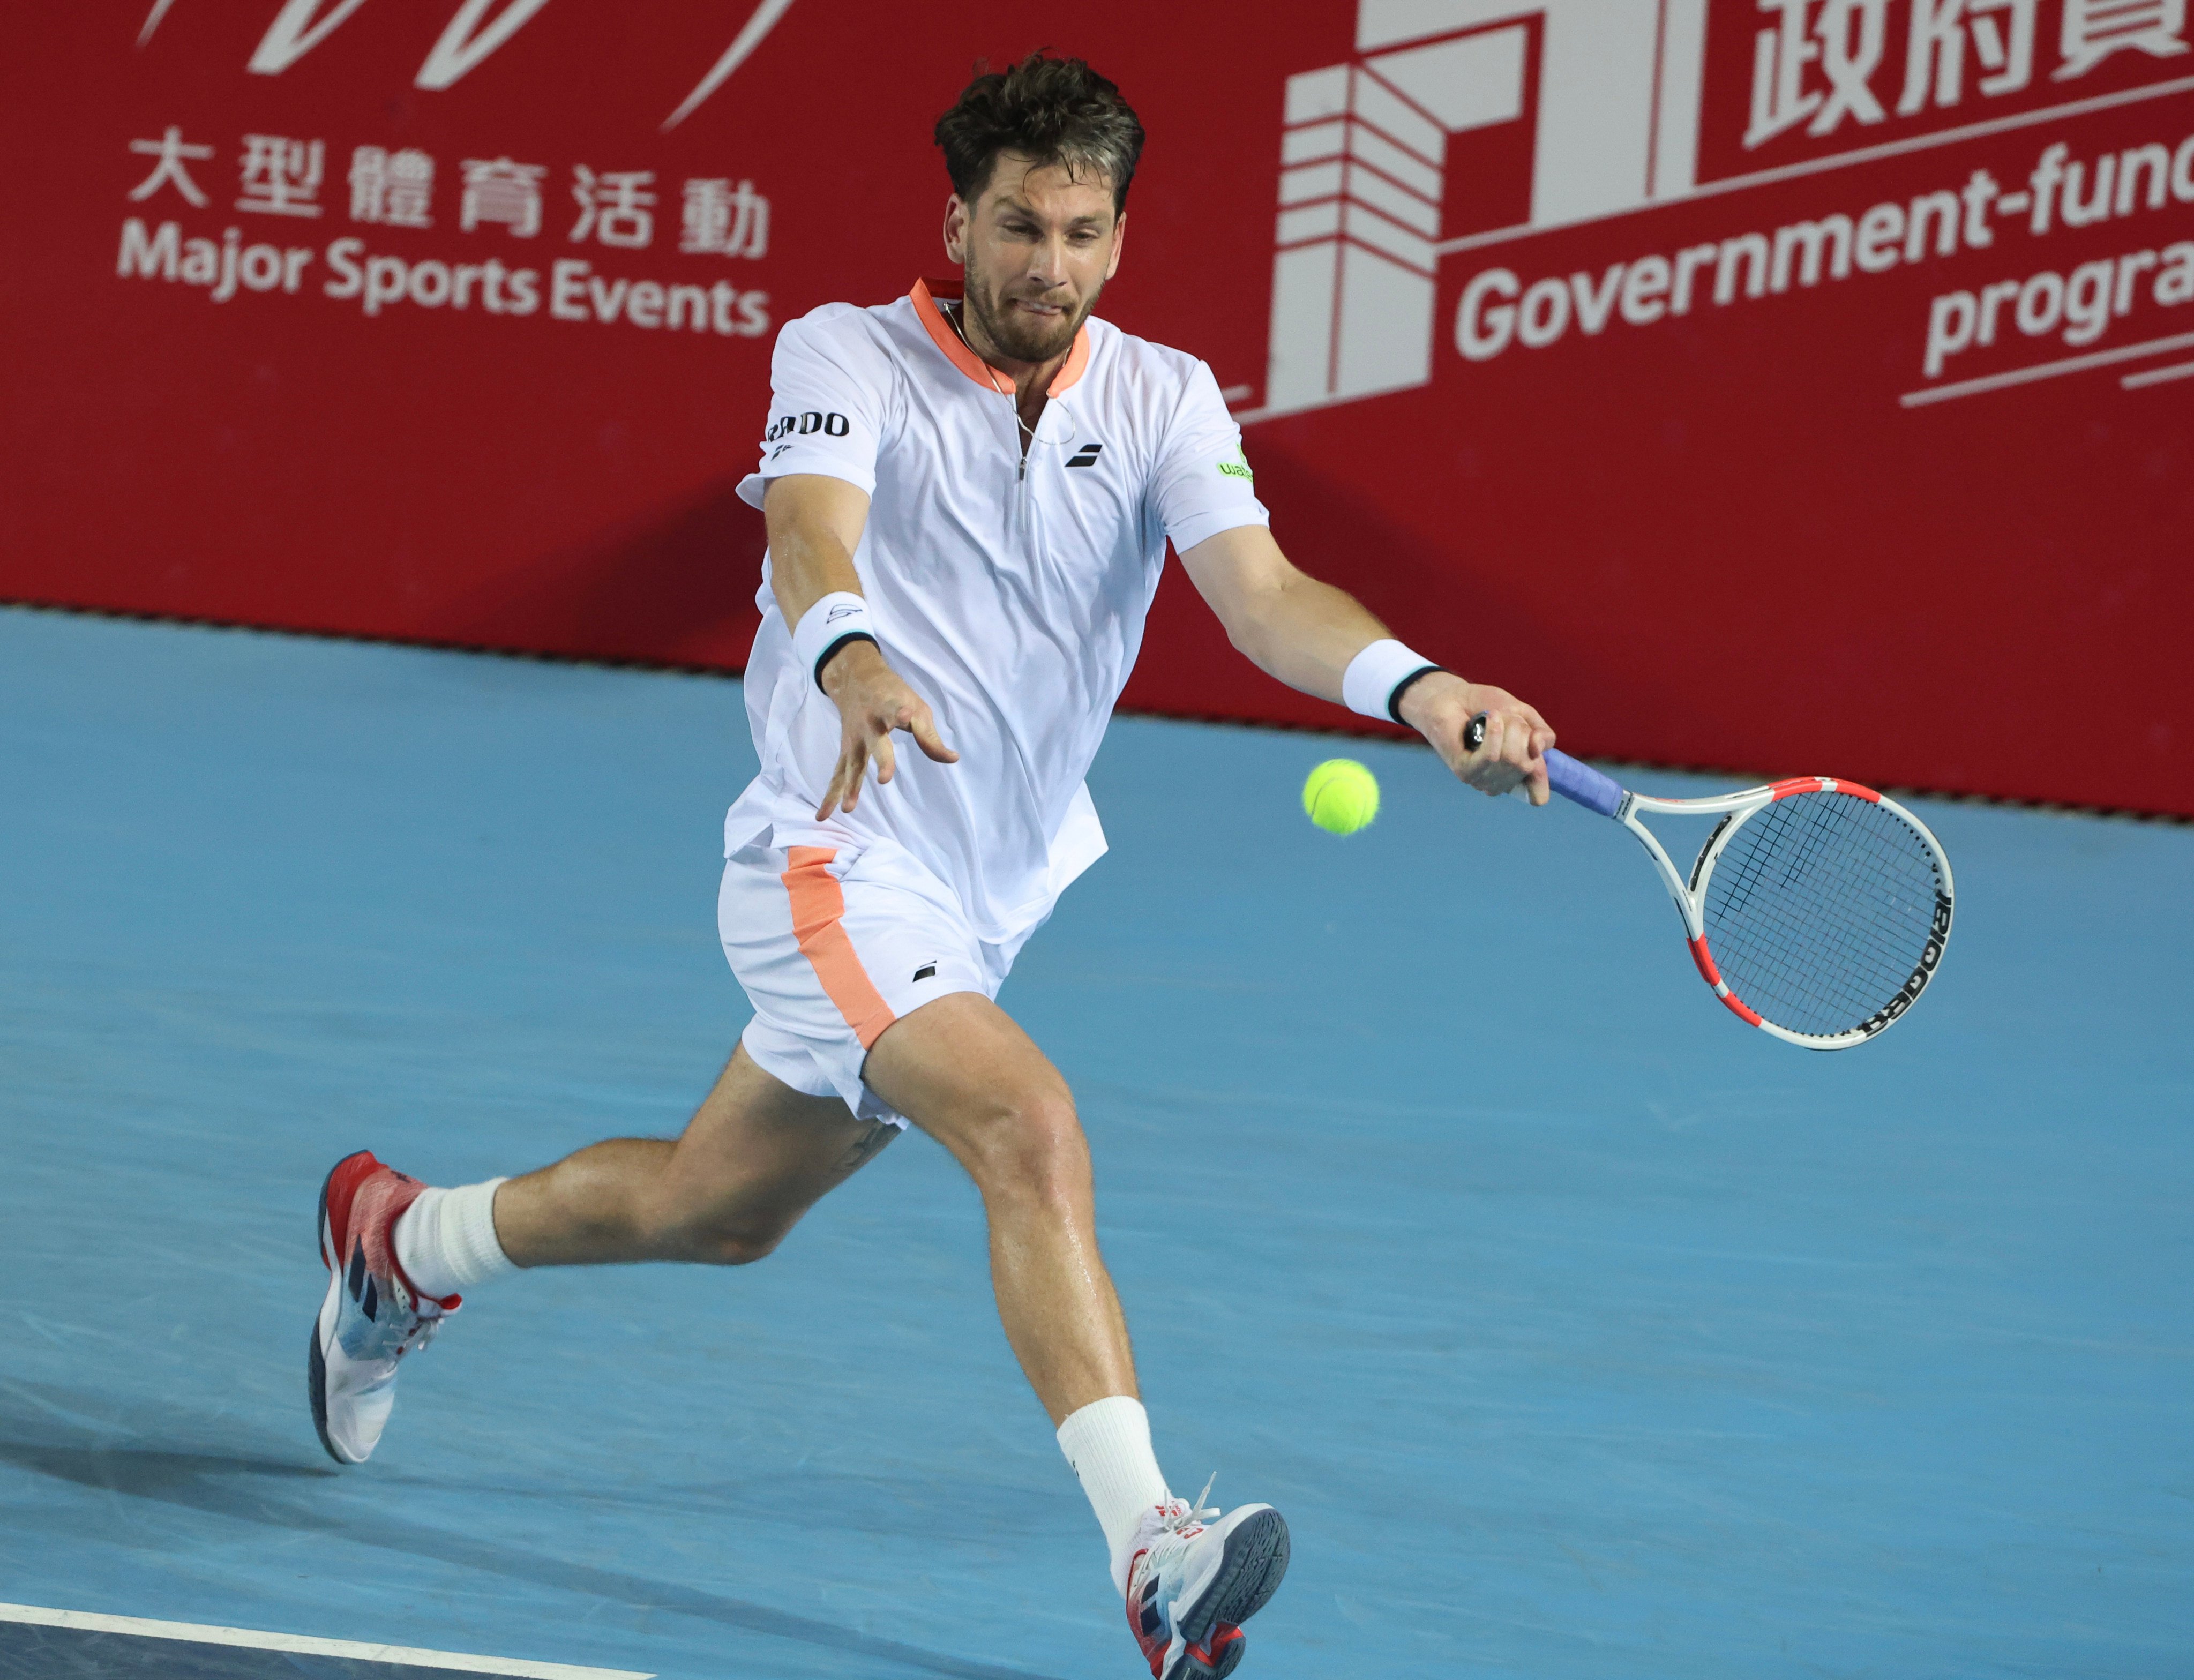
1039	245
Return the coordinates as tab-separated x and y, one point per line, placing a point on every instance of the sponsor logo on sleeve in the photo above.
807	424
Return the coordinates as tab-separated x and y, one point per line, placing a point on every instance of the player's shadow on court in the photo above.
66	1435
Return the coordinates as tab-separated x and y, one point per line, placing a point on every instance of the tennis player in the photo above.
969	494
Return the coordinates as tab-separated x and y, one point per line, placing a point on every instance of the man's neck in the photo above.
1031	380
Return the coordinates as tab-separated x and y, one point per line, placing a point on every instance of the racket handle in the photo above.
1566	776
1573	779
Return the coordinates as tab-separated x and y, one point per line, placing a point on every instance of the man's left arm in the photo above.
1308	634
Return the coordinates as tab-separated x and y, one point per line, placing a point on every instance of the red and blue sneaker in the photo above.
371	1316
1191	1585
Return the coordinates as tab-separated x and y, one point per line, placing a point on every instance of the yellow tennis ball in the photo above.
1341	796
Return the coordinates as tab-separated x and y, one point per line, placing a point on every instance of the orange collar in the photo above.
925	295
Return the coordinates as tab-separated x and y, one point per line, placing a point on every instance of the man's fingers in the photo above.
845	783
855	771
1498	750
887	760
1505	762
923	728
1511	756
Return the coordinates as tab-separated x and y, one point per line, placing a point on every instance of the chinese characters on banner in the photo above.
281	175
1829	64
499	190
278	175
395	192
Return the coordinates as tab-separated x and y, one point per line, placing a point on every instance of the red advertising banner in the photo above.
1776	384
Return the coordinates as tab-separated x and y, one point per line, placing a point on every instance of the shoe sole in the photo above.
1250	1573
1229	1658
316	1361
316	1386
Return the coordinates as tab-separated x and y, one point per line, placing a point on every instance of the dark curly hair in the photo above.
1055	111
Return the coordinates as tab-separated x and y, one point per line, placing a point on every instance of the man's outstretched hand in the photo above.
1440	707
873	701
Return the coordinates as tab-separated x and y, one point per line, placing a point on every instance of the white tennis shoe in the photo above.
1191	1585
371	1316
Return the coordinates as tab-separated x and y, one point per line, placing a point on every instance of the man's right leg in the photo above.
756	1155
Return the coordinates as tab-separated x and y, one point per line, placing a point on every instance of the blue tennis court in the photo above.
1579	1332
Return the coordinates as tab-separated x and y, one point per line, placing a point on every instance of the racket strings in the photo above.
1819	908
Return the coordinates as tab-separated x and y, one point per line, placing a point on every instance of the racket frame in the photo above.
1690	895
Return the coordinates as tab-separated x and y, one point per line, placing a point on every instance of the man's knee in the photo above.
1030	1147
705	1231
733	1244
731	1240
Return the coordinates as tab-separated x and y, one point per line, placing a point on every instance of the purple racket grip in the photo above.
1575	780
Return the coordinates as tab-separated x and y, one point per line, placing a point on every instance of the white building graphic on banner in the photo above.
1364	163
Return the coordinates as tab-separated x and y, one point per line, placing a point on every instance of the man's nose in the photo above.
1048	263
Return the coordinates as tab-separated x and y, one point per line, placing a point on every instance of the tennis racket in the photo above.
1817	909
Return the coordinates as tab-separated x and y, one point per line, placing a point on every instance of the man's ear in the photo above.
956	229
1119	240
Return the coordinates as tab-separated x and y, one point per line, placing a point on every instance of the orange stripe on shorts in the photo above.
818	908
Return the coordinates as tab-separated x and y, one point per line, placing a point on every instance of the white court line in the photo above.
1998	382
2134	382
403	1654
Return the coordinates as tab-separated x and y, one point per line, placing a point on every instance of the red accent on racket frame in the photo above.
1712	975
1702	956
1811	784
1743	1012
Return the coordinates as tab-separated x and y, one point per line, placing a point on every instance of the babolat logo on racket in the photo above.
1917	982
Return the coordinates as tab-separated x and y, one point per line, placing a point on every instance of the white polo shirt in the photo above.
1010	594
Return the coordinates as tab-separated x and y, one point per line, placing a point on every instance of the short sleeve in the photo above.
1202	485
828	392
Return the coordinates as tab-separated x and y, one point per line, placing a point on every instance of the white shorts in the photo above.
833	945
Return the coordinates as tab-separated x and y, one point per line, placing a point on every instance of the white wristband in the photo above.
1368	686
828	626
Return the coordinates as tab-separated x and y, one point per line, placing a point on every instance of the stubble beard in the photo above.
1016	336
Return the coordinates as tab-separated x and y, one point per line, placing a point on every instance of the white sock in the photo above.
446	1241
1108	1442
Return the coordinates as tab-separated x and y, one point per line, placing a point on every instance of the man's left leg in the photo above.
962	1069
756	1157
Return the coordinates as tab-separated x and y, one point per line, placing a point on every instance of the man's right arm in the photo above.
815	522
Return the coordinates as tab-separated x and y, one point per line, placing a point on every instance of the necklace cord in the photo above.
951	313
